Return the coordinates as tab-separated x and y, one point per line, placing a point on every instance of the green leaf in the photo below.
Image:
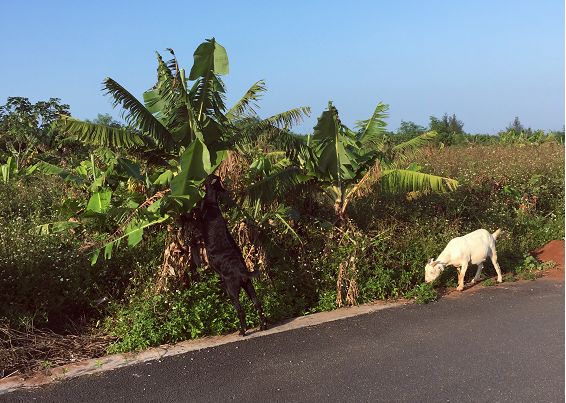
414	143
8	169
101	135
99	202
135	233
54	227
211	131
288	118
154	103
110	244
50	169
403	180
335	146
247	104
108	250
183	203
137	115
195	166
280	182
164	178
326	128
129	168
373	128
209	56
94	257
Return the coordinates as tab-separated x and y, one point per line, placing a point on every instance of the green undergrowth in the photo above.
390	238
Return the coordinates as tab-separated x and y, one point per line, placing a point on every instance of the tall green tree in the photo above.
27	128
448	128
407	130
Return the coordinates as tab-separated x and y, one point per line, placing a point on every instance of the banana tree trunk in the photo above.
184	252
340	213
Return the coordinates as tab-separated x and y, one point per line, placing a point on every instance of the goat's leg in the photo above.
235	297
250	290
496	266
478	273
461	275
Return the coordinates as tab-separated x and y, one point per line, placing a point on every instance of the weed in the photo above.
423	293
530	268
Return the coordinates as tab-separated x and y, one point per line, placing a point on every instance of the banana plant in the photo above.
341	161
345	160
9	169
179	134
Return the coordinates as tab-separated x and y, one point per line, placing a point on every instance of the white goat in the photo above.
472	248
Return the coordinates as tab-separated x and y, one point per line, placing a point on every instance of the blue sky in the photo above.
485	61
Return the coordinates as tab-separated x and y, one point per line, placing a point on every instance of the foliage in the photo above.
489	282
391	237
47	281
450	130
524	137
530	268
338	162
177	136
423	293
27	128
447	124
173	316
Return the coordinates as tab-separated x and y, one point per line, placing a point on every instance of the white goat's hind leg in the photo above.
478	273
496	266
461	275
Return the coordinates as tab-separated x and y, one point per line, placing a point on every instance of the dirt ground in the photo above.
552	251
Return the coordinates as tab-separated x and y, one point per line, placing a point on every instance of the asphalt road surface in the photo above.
495	344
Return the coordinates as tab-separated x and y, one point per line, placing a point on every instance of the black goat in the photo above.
224	255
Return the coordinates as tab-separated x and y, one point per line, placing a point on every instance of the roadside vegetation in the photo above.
97	236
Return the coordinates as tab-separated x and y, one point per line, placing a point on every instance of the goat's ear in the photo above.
433	263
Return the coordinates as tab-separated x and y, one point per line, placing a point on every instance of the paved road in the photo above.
499	344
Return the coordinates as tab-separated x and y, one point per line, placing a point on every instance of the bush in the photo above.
46	280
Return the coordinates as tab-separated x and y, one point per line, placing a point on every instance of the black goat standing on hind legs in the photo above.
224	255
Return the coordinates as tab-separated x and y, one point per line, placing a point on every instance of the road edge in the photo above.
115	361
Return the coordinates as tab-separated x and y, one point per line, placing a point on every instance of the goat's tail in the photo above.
496	233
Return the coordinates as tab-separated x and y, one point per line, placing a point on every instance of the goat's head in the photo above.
432	270
213	183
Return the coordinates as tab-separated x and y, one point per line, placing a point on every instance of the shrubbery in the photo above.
46	281
518	189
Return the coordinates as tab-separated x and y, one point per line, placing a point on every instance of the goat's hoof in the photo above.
242	332
499	280
263	326
460	288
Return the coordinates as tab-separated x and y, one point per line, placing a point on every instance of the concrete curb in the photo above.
111	362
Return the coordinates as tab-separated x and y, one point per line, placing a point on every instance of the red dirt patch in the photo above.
552	251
